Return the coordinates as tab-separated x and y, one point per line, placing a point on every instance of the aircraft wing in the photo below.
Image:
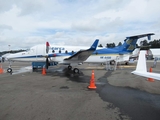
140	36
141	68
147	74
82	55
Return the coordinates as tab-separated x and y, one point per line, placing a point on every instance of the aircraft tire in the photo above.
69	67
9	70
126	63
76	70
112	62
34	69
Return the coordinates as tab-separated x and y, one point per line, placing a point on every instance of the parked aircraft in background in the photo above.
119	53
149	54
141	68
71	55
156	53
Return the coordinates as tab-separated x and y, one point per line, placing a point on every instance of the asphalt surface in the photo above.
137	104
62	96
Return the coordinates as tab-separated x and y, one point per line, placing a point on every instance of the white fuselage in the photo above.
37	53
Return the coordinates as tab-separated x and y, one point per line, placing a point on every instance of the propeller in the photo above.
47	50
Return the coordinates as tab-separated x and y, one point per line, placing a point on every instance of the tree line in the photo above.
151	44
11	51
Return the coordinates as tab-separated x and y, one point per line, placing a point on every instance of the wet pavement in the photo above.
139	105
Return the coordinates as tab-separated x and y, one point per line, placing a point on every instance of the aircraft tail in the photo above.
141	64
130	42
141	68
94	45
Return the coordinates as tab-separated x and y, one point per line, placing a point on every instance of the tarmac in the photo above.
59	95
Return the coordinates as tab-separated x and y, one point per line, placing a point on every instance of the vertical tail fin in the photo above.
130	42
141	65
141	69
129	45
94	45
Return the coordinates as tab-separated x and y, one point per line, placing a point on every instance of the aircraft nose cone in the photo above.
9	57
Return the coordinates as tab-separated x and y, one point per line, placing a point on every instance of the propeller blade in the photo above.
47	63
47	50
47	47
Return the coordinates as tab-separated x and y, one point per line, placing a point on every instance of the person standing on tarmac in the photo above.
155	62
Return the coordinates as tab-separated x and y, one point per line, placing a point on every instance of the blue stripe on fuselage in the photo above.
35	56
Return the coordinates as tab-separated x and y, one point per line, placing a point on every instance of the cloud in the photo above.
5	27
101	24
77	22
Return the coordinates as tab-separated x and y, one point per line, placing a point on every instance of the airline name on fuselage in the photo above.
58	48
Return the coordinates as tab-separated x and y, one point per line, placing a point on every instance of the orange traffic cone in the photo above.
150	79
43	71
92	81
1	69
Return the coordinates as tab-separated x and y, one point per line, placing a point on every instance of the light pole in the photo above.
9	48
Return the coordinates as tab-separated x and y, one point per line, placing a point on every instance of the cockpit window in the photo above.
29	50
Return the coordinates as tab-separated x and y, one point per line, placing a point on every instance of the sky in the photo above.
25	23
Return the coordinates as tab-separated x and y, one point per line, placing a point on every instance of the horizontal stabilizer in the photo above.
147	74
141	36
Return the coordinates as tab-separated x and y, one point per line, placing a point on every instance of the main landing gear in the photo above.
75	70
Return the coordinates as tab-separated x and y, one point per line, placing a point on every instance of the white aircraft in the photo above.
141	68
68	54
60	54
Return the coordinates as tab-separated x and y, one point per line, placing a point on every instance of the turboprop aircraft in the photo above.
68	54
48	54
141	68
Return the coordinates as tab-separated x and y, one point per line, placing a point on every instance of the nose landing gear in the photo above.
9	70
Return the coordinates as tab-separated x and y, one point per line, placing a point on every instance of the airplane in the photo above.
118	53
141	68
60	54
67	54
